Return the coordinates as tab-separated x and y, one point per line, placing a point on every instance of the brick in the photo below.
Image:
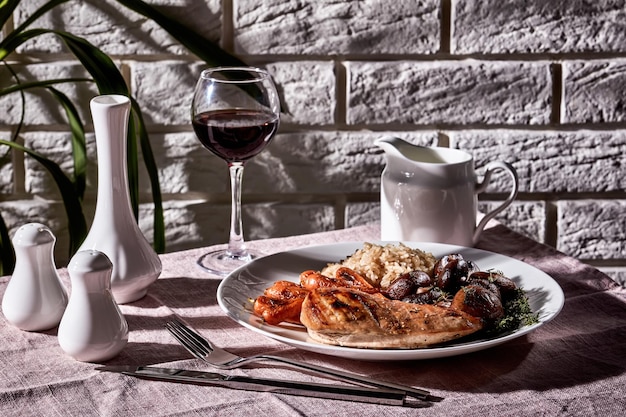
283	219
184	165
192	224
593	91
336	27
178	225
117	30
56	146
6	166
360	214
165	89
308	99
313	162
326	162
592	229
523	26
525	217
449	92
40	107
6	177
549	161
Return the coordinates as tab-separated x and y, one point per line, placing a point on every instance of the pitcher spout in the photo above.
399	150
392	145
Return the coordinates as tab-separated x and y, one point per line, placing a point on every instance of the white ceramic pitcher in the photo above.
430	194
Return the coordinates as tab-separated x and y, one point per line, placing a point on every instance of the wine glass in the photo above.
235	114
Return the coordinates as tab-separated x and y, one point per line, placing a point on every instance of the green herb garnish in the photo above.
517	313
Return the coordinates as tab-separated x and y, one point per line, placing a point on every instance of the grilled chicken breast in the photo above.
349	317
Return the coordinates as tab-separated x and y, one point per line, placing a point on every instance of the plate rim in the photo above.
388	354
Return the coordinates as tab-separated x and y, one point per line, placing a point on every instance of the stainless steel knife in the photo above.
276	386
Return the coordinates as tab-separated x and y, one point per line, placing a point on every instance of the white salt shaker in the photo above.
93	327
35	298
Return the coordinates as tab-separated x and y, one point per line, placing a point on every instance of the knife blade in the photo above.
276	386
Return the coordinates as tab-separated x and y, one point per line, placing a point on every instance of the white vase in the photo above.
35	298
92	328
114	230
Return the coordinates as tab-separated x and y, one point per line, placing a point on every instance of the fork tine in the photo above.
181	337
188	340
185	338
185	343
192	335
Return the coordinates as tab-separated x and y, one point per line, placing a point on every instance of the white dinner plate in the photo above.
237	290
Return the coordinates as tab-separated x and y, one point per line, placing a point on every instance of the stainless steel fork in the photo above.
203	349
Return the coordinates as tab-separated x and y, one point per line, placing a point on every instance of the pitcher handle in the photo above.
481	187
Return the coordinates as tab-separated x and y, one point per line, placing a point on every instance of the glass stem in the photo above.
236	243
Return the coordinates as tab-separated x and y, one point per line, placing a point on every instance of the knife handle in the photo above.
354	378
276	386
312	389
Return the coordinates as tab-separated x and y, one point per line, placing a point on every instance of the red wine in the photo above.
235	135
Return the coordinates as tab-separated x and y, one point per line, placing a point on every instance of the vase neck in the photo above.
110	119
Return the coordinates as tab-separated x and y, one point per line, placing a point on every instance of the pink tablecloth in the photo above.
572	366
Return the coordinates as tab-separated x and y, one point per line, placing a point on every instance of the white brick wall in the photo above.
539	84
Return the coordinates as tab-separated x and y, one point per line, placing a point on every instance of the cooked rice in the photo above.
380	265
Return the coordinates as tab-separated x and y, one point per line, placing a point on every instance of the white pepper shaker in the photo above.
35	298
93	328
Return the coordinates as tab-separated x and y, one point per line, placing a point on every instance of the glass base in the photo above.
222	262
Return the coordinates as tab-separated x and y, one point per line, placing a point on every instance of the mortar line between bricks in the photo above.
557	94
551	232
339	208
446	27
292	128
44	57
341	93
441	56
318	197
559	196
613	262
228	33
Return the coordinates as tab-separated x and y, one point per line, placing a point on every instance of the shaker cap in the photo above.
89	261
32	234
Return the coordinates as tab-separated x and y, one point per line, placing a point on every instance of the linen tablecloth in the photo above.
572	366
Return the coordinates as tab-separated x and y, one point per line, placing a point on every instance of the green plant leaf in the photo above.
105	73
77	226
7	253
194	42
79	148
17	130
132	165
41	84
6	10
148	158
15	39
